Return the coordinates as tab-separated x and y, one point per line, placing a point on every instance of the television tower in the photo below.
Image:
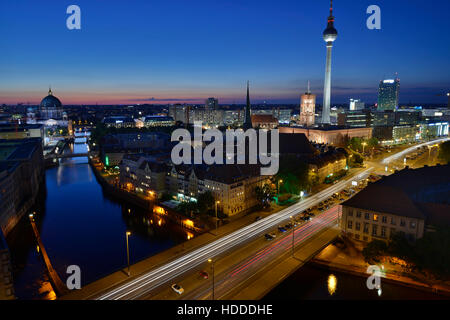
329	36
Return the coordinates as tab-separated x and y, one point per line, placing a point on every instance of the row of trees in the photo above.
205	204
429	253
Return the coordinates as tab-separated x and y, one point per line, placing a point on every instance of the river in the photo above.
80	225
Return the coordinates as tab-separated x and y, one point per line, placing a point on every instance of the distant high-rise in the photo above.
248	117
211	103
329	35
388	94
307	108
356	104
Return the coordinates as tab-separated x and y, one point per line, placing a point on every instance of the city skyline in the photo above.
166	58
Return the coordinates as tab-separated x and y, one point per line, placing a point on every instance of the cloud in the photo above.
166	99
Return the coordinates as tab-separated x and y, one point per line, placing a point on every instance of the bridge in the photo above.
67	155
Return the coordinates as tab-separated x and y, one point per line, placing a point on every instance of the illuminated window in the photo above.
375	217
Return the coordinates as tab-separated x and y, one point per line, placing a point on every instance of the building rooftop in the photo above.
416	193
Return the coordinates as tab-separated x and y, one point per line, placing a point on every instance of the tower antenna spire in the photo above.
309	90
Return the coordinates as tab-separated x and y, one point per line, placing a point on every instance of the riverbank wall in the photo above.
149	205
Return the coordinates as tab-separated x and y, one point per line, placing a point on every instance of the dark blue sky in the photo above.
130	51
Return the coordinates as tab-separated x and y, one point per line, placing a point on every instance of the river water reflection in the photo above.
80	225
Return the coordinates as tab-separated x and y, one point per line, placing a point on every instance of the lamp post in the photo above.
127	234
216	203
364	144
212	271
278	188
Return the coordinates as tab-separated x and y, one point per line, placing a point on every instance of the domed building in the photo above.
51	107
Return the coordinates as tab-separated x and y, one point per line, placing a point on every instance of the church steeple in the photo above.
50	91
248	118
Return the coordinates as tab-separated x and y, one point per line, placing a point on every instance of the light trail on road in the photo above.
143	284
411	149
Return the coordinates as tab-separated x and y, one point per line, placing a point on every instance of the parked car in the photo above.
204	274
268	236
177	288
281	229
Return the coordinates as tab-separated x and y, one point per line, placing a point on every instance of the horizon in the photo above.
128	55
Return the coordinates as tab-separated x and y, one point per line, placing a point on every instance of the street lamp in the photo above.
364	144
278	188
212	271
216	203
127	234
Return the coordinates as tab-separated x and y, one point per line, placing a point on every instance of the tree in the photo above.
294	173
444	152
264	194
355	144
374	251
205	202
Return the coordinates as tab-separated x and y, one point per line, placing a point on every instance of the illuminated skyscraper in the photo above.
329	35
388	94
307	108
211	103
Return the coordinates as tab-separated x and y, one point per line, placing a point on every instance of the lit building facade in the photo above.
388	94
307	108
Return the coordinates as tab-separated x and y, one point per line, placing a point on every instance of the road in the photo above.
142	285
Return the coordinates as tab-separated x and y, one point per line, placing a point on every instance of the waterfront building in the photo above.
307	108
411	201
119	122
329	36
51	107
6	279
158	121
21	131
356	104
21	173
333	135
114	146
141	174
232	185
388	94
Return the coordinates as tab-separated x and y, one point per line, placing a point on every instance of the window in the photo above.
357	236
393	221
357	226
350	224
384	219
412	225
350	213
366	228
383	232
375	217
374	229
366	216
358	214
402	223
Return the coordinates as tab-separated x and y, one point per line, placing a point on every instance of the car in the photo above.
306	218
258	218
177	288
321	209
268	236
311	214
288	226
204	274
341	199
273	235
281	229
